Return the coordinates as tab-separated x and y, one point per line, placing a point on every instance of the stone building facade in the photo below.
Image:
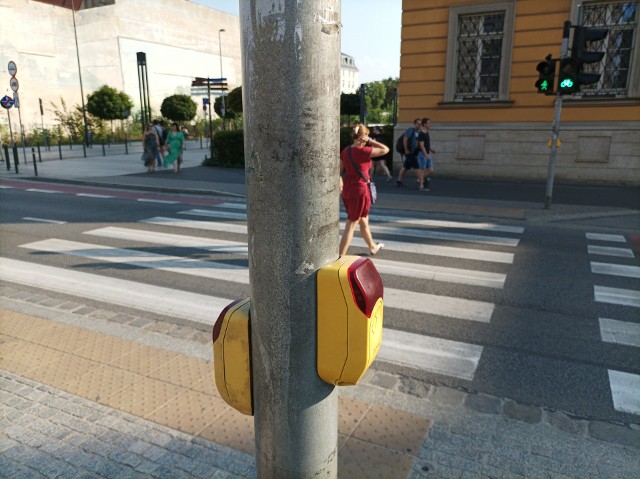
471	68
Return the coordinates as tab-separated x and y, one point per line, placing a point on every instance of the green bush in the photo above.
228	149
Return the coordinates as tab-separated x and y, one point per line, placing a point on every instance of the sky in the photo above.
370	34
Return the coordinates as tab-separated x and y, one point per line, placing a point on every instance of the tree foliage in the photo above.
229	114
234	100
179	108
70	120
349	104
107	103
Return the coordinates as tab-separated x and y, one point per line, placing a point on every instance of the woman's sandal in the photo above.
373	252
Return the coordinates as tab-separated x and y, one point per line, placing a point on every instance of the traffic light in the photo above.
582	36
568	76
546	77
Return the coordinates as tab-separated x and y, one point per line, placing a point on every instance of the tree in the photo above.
349	105
72	121
234	100
179	108
229	114
107	103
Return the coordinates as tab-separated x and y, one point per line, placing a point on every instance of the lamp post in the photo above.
85	141
224	109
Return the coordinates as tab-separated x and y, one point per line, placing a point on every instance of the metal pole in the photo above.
22	140
291	79
210	122
85	140
35	163
555	127
224	108
6	155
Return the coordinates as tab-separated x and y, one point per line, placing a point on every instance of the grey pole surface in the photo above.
291	79
555	127
85	140
224	109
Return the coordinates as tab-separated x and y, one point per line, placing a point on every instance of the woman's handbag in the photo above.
373	192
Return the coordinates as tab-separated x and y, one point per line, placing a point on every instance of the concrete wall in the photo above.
179	38
608	153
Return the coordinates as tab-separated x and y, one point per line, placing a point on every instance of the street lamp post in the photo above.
85	141
224	109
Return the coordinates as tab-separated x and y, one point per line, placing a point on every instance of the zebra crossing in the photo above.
625	387
481	243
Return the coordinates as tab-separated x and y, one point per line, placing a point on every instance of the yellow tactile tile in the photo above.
143	360
100	384
190	412
28	356
393	429
350	413
26	327
66	368
143	396
104	348
360	459
232	429
183	371
69	339
208	383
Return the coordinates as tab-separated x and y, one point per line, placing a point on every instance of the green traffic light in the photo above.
566	83
544	86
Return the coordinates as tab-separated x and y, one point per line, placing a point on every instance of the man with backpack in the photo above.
409	149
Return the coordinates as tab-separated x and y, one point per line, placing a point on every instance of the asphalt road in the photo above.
533	335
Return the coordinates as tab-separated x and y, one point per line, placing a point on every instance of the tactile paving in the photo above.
232	429
190	412
350	413
27	356
101	383
141	396
183	371
25	327
392	429
66	368
143	359
104	348
360	459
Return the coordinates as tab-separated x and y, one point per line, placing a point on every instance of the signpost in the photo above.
7	102
200	86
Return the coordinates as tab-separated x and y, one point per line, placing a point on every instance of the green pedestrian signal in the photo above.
546	76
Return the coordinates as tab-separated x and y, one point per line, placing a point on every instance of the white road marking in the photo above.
156	299
615	269
440	356
42	220
620	332
94	195
5	187
164	202
439	235
38	190
606	237
426	249
143	259
625	391
400	299
624	297
610	251
168	239
441	273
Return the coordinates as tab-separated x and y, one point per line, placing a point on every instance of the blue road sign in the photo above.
6	102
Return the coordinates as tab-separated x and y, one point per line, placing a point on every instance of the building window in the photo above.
620	18
479	52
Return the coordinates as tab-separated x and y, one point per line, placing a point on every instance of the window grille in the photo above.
479	55
620	18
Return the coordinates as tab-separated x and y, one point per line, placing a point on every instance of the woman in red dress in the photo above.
354	188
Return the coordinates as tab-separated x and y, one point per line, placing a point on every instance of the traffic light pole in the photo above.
291	111
555	127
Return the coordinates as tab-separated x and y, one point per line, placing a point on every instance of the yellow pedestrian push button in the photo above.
232	356
350	315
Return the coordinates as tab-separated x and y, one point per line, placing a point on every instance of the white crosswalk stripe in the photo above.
625	390
436	355
610	251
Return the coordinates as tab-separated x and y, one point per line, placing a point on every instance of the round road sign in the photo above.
13	81
6	102
13	69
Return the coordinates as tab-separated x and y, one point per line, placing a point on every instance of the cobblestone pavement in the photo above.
46	432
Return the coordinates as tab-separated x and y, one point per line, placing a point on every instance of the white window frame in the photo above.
455	11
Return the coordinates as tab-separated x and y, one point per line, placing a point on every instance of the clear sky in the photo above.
370	34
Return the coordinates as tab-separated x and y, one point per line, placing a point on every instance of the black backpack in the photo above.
400	144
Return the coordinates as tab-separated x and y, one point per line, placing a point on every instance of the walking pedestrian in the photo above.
355	162
425	163
175	146
162	135
410	143
380	164
150	145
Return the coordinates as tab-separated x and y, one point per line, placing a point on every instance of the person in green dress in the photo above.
175	146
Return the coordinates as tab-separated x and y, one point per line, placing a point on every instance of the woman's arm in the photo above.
377	148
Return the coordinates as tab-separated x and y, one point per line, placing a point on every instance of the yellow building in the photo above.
470	66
